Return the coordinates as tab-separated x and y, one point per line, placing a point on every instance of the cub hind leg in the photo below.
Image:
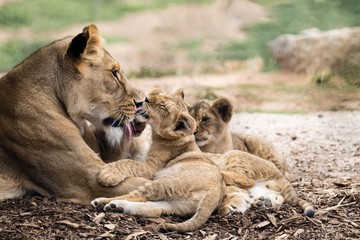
266	194
236	200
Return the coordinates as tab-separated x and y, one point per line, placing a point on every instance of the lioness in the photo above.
213	135
184	182
45	103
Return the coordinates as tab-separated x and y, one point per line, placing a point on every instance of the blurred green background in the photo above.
157	38
286	16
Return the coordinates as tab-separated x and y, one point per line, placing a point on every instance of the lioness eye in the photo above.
205	119
115	73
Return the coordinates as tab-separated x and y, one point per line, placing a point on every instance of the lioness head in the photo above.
211	119
97	89
168	114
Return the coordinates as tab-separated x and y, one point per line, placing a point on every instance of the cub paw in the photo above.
98	201
109	176
262	202
270	201
116	205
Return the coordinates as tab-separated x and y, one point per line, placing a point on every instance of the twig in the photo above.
311	221
322	211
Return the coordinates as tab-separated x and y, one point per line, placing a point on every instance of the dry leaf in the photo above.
97	219
134	235
262	224
298	232
25	213
162	236
281	237
33	225
272	219
212	237
67	222
107	235
342	183
110	226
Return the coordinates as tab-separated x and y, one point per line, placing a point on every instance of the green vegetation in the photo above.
42	15
291	17
49	14
152	73
14	51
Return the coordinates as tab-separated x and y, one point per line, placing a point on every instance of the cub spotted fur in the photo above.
184	182
212	134
46	102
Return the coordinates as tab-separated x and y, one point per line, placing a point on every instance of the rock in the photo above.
313	51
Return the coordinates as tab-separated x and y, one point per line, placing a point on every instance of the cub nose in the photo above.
146	99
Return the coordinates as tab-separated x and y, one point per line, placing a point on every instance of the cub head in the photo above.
95	88
211	119
168	115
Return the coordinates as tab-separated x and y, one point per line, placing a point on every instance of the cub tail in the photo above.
290	196
205	208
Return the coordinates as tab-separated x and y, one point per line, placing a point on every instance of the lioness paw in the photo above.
109	176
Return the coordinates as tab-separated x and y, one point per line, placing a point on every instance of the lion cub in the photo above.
184	182
257	175
212	134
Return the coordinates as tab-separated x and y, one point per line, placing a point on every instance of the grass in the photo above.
291	17
14	51
42	15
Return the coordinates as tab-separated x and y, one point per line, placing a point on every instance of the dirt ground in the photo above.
322	148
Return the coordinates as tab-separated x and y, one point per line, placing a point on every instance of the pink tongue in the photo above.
128	131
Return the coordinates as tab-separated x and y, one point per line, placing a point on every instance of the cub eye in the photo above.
205	119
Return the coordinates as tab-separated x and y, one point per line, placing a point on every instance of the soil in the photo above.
322	148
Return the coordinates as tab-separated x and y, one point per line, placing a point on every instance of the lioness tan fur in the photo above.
184	182
213	135
46	102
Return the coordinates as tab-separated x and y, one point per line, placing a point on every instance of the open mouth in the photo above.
126	126
113	122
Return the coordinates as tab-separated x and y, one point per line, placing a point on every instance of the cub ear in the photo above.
86	43
180	93
185	124
224	107
157	91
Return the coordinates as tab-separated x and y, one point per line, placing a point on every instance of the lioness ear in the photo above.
224	108
88	42
180	93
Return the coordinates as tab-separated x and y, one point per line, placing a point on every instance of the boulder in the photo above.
313	51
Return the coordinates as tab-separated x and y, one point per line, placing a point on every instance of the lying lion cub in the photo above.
212	134
184	181
260	177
